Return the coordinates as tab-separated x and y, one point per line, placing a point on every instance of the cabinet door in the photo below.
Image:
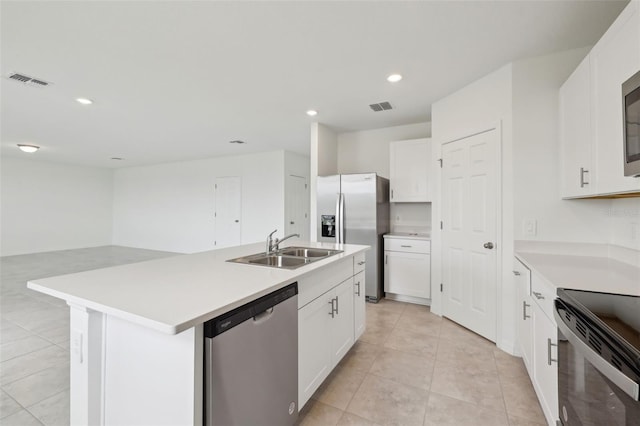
407	274
525	313
359	307
410	164
545	336
314	350
614	59
576	134
341	325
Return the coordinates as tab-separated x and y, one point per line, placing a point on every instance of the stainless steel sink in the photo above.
307	252
280	261
287	258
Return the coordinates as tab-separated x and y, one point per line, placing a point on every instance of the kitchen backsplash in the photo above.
411	217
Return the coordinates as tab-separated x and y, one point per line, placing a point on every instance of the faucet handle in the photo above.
274	231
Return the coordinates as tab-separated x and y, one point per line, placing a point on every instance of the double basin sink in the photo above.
287	258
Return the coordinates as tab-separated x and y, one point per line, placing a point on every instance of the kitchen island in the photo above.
137	335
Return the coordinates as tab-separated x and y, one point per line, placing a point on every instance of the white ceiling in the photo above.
175	80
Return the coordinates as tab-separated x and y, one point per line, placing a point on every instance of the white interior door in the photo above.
297	206
469	249
228	211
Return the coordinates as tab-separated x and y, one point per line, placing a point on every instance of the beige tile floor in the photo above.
34	332
414	368
409	368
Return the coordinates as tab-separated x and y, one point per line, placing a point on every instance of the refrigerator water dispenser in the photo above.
328	223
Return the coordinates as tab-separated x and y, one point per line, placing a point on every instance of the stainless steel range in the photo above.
598	358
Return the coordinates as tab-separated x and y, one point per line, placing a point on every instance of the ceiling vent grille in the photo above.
25	79
382	106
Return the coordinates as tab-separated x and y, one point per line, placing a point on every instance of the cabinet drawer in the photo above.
543	295
359	263
314	285
409	246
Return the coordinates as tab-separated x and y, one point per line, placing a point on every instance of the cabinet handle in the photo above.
549	359
524	311
392	194
386	259
538	295
361	263
358	285
516	273
337	313
332	313
582	181
406	246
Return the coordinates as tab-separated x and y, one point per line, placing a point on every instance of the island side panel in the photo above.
86	368
151	377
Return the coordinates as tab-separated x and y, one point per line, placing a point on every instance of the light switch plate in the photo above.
529	227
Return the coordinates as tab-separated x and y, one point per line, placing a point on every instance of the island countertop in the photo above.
173	294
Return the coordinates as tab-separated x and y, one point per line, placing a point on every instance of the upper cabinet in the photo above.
591	113
410	171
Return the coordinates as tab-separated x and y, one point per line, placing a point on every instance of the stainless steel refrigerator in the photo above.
354	209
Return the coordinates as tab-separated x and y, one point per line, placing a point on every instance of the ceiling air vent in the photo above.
25	79
382	106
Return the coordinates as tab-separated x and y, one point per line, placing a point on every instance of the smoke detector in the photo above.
27	80
381	106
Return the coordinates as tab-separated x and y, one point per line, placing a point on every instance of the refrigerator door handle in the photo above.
341	228
338	223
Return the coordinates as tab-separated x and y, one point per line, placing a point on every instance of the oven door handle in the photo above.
629	387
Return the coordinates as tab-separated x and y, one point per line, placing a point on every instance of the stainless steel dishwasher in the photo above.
251	363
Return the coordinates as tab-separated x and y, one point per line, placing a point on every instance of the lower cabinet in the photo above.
407	268
545	358
359	307
325	335
538	337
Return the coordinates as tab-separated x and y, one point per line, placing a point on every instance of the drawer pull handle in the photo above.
361	263
406	246
549	359
538	295
516	273
524	310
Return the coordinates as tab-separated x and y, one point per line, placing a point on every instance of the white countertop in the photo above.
409	236
176	293
591	273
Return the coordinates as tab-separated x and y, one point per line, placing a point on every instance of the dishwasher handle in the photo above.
259	310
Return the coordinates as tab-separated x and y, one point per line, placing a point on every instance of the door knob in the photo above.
488	245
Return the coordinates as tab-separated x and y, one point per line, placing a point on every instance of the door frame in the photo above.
436	295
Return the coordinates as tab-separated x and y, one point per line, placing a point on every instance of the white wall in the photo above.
624	215
171	206
323	161
536	156
48	206
367	151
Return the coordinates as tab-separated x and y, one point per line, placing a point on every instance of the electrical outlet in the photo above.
529	227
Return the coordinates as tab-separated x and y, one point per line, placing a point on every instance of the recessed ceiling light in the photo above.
28	148
84	101
312	113
394	78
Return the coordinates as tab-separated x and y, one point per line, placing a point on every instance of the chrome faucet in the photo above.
274	245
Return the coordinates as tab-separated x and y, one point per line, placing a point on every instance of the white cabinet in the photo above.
576	134
331	317
538	336
591	143
614	59
545	360
410	169
407	269
359	306
525	313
